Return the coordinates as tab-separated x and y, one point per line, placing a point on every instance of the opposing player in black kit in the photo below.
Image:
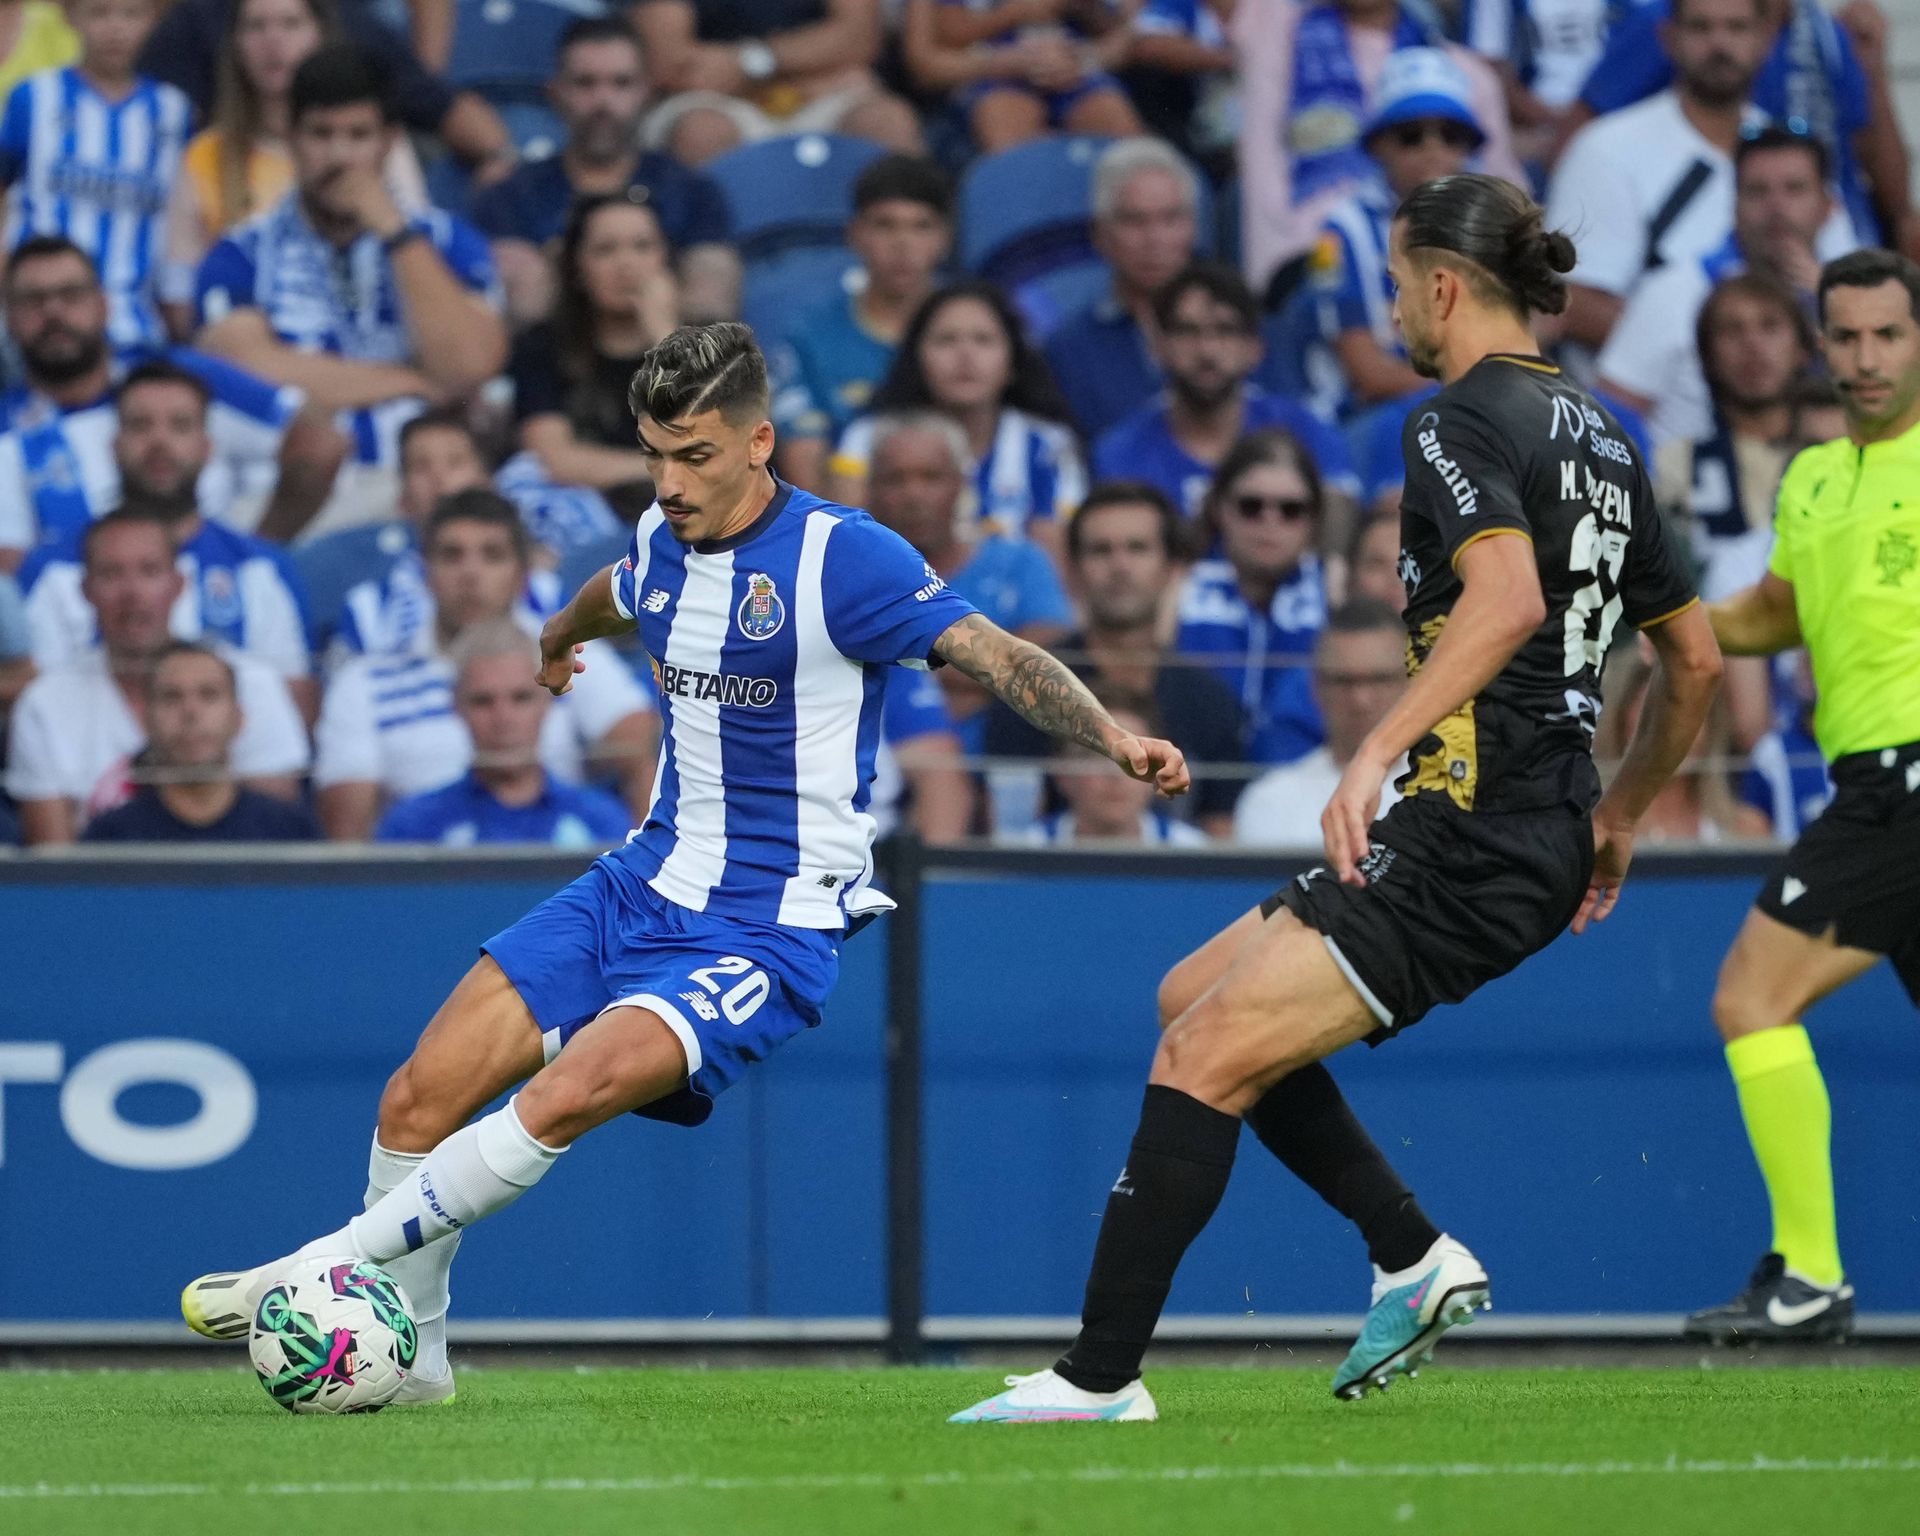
1528	534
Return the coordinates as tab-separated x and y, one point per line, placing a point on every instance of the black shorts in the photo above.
1856	871
1453	899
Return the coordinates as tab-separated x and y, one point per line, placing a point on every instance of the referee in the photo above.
1844	579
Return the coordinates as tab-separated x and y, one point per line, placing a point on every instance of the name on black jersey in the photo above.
1613	502
726	687
1456	479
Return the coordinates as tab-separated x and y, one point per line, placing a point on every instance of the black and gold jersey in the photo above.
1513	447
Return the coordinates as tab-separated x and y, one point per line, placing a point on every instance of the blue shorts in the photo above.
731	990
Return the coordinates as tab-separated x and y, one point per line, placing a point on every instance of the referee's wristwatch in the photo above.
756	60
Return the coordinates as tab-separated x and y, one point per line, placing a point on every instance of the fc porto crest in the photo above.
761	614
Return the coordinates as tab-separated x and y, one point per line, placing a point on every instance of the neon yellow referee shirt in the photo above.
1847	535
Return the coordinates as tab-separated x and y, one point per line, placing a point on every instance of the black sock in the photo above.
1176	1173
1304	1121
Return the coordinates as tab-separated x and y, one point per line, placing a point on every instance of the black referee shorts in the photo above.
1856	871
1453	899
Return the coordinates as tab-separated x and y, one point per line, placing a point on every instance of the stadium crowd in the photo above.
320	317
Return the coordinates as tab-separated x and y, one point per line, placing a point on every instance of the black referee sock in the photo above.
1304	1121
1176	1172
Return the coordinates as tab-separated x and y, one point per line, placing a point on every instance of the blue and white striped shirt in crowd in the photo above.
58	472
1031	472
98	172
322	298
772	651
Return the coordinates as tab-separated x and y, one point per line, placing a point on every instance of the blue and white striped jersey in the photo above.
320	298
98	172
771	649
57	470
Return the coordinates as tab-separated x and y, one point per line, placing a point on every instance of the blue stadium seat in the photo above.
504	48
335	563
779	291
1028	211
791	193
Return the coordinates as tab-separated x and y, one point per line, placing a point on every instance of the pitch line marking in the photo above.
1337	1471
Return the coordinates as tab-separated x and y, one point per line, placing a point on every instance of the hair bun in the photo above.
1558	250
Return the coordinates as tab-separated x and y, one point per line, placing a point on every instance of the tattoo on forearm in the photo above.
1042	690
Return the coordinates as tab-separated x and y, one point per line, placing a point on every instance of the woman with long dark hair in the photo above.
239	164
618	296
966	355
1255	607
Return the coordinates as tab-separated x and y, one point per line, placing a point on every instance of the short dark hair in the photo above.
1778	136
40	247
440	418
121	517
715	367
1219	282
1512	258
478	504
1357	615
594	29
904	179
340	75
1130	493
1869	269
158	371
175	648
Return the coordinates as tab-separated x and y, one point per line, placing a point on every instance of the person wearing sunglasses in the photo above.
1423	126
1210	346
1255	609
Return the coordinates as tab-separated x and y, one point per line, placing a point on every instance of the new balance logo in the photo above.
1913	775
1791	890
656	600
1122	1185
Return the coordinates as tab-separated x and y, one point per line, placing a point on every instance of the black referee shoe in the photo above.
1777	1307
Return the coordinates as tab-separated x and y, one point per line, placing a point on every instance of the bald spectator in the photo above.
187	791
1359	669
507	796
78	726
388	728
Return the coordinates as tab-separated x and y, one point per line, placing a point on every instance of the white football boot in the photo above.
1046	1397
221	1305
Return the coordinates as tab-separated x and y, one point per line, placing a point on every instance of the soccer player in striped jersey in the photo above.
91	151
712	935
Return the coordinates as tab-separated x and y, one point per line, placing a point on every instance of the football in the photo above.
333	1335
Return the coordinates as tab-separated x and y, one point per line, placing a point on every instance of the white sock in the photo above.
423	1275
479	1169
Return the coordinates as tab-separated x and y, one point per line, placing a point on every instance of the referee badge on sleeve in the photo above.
761	613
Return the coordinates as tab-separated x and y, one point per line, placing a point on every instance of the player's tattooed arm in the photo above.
1044	691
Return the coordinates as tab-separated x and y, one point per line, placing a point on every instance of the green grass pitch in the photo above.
645	1451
